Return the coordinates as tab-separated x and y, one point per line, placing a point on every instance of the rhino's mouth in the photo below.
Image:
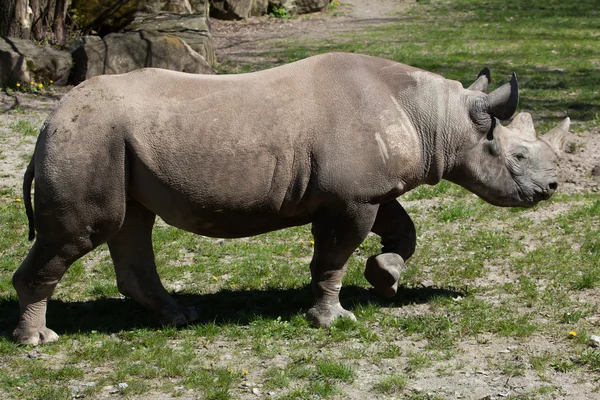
538	193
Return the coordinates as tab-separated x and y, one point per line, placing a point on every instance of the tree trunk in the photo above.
7	15
59	21
37	28
20	26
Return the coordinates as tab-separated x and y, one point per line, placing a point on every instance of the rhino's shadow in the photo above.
109	315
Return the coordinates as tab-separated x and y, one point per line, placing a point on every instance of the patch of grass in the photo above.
562	365
278	12
394	384
335	371
591	359
24	127
216	384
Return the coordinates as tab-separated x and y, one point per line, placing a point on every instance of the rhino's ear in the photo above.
504	100
483	80
522	125
557	136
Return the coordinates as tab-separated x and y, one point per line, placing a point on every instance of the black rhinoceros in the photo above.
331	140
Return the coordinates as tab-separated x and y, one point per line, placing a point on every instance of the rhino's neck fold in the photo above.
435	146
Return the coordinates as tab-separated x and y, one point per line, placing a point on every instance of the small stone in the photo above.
111	389
35	353
122	386
594	341
256	391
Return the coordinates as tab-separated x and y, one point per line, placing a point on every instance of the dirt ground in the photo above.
248	42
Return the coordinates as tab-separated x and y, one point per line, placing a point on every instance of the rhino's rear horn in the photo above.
504	100
557	136
483	80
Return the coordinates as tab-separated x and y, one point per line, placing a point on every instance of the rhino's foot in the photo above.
34	337
178	316
324	316
383	271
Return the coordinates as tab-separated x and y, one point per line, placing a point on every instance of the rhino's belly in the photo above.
233	224
228	202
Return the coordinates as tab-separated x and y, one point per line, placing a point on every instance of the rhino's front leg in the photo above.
398	239
337	234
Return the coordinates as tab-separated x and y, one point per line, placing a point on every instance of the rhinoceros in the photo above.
332	140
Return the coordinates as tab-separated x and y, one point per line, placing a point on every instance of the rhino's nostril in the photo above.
553	186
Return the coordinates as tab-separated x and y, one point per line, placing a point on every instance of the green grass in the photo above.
481	276
391	384
24	127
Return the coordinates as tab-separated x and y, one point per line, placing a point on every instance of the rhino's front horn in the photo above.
483	80
556	137
504	100
522	125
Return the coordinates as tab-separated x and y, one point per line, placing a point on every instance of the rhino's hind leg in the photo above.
133	258
35	281
336	238
398	239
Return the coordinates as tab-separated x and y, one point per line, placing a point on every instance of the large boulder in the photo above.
23	61
193	29
118	53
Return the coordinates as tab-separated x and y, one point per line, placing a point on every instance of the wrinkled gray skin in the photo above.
332	140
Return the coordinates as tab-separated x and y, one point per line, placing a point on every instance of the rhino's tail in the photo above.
27	181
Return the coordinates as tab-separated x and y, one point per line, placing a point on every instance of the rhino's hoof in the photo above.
178	317
383	271
35	337
323	317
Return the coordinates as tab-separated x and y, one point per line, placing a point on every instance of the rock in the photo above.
594	341
174	6
259	7
199	6
242	9
193	29
118	53
308	6
24	61
231	9
77	43
300	6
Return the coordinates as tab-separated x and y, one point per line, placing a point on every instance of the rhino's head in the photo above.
506	166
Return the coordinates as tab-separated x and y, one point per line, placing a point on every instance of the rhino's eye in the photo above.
521	154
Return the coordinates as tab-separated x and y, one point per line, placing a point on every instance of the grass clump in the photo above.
389	385
24	127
